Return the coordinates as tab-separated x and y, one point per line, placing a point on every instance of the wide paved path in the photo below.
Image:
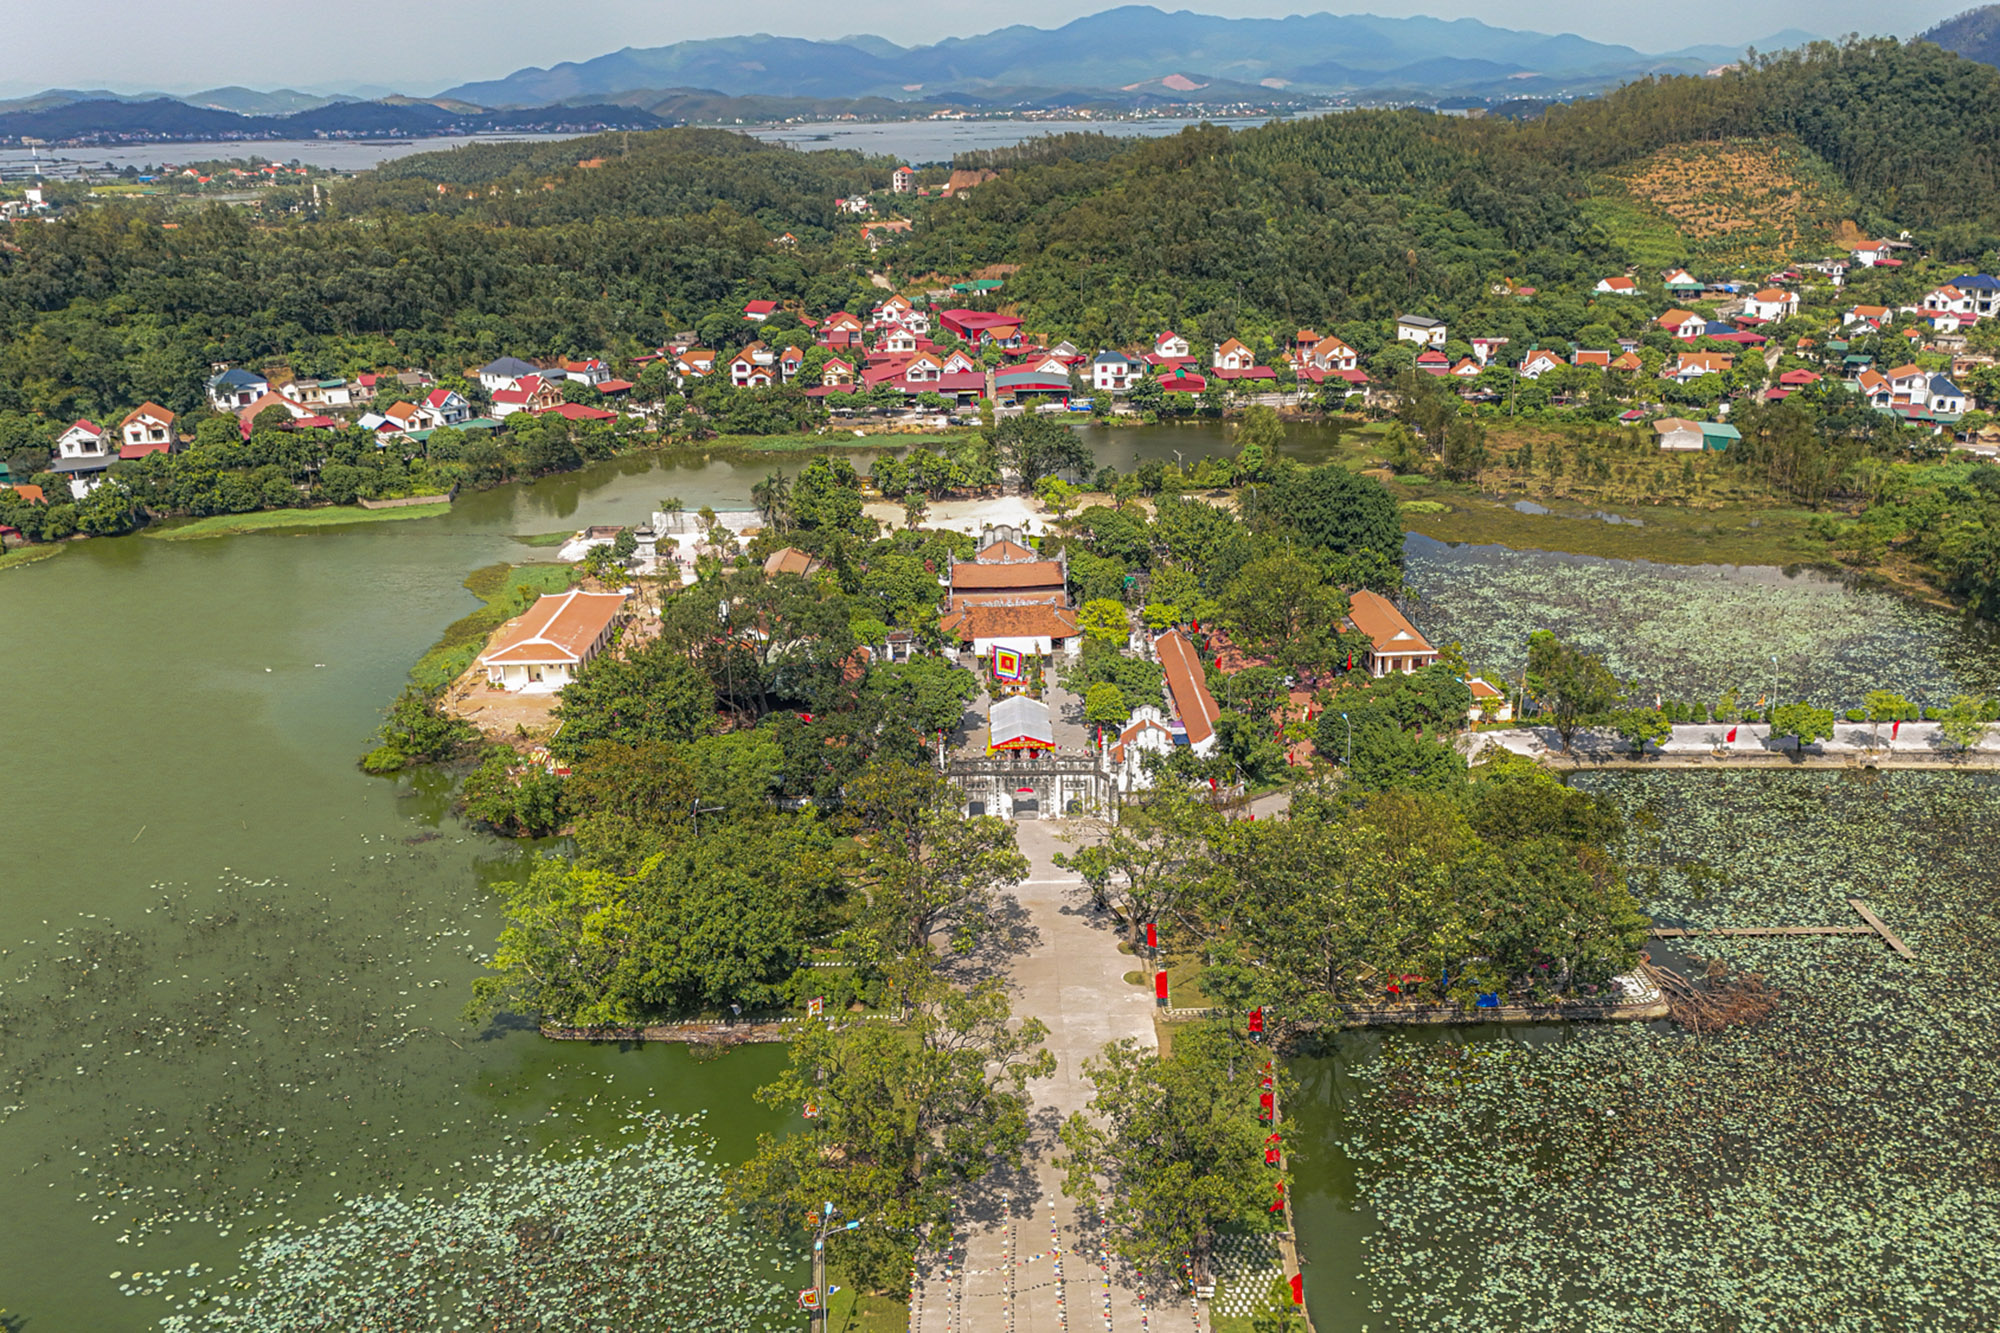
1023	1261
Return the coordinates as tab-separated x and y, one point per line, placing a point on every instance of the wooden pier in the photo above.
1874	926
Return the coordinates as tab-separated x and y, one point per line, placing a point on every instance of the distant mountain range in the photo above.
167	120
1135	58
1327	54
1975	34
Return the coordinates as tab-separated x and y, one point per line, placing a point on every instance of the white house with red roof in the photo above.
695	363
1771	303
592	372
840	330
446	407
749	371
899	341
148	423
1231	355
1170	346
835	373
1693	365
1683	323
981	329
83	439
759	311
1433	362
530	393
1538	363
1619	286
1466	369
542	649
1873	316
1949	300
1331	353
1868	254
1485	349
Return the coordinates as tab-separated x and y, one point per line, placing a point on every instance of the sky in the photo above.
424	46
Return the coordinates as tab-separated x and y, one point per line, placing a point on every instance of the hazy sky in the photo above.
424	46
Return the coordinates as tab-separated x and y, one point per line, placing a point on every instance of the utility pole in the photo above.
1347	754
826	1228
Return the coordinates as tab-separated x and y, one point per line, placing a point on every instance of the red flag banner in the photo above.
1731	737
1267	1101
1152	935
1298	1289
1160	985
1895	727
1257	1020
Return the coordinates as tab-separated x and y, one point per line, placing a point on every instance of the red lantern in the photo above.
1257	1019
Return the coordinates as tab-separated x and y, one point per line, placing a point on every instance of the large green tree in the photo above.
905	1116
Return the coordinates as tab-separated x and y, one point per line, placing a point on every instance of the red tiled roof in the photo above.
555	629
1036	620
967	576
577	412
1387	629
1187	683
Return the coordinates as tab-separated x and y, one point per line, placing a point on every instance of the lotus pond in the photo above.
1694	631
1832	1168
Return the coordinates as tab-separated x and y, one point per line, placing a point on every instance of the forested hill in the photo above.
1360	216
609	245
1974	34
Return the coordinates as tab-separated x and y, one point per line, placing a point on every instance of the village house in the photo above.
1466	369
1680	282
1232	356
1946	398
531	394
591	372
446	407
856	204
1693	365
1869	254
505	372
542	649
1677	434
1111	371
902	180
759	311
1394	644
1771	303
695	363
840	330
83	455
1982	291
1420	329
1170	349
1872	316
1485	349
1683	323
1619	286
1595	360
980	330
148	423
236	388
835	373
1537	363
319	394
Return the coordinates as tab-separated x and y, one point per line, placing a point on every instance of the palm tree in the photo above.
773	498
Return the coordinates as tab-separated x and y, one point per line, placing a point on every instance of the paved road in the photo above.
1023	1261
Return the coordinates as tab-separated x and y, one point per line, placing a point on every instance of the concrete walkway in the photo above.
1023	1261
1915	744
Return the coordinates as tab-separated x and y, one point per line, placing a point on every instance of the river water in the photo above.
917	141
231	965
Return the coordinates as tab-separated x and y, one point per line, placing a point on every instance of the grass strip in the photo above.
230	525
507	591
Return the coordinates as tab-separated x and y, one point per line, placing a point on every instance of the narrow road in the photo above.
1023	1261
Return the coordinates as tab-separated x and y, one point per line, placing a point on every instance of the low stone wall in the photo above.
405	501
